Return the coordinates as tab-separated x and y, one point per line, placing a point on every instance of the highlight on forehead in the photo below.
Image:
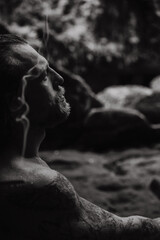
24	55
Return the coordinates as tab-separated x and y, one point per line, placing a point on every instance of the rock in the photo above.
155	84
3	29
112	118
143	99
114	127
150	107
123	96
82	100
127	116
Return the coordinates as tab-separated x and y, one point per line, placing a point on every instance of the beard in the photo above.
61	102
60	110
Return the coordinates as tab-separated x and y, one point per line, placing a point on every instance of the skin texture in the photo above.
37	202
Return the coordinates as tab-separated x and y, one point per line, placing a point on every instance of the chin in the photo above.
59	110
64	112
59	114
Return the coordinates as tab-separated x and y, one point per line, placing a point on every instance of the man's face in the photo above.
43	94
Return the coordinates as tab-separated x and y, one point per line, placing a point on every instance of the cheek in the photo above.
40	101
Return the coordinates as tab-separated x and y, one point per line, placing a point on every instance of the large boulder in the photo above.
114	118
108	127
150	107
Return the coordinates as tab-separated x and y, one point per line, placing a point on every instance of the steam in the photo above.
33	73
23	118
45	38
46	32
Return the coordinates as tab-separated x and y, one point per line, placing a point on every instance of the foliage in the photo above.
94	39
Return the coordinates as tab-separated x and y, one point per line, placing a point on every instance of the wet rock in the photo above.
114	126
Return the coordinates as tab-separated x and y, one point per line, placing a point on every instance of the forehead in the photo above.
26	55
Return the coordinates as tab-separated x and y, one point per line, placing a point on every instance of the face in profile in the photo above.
44	93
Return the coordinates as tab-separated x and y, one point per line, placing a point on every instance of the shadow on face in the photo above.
43	93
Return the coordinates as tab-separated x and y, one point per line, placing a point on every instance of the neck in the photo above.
34	138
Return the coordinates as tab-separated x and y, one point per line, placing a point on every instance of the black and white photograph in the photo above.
79	120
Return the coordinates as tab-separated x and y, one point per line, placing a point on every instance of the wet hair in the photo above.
10	76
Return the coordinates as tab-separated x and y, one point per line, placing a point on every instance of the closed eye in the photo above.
45	74
43	77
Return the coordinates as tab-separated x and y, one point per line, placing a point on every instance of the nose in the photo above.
57	79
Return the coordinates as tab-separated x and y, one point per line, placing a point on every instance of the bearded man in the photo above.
37	202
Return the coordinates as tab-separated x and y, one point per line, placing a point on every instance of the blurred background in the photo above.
108	52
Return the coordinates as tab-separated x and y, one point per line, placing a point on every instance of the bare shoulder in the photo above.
30	179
